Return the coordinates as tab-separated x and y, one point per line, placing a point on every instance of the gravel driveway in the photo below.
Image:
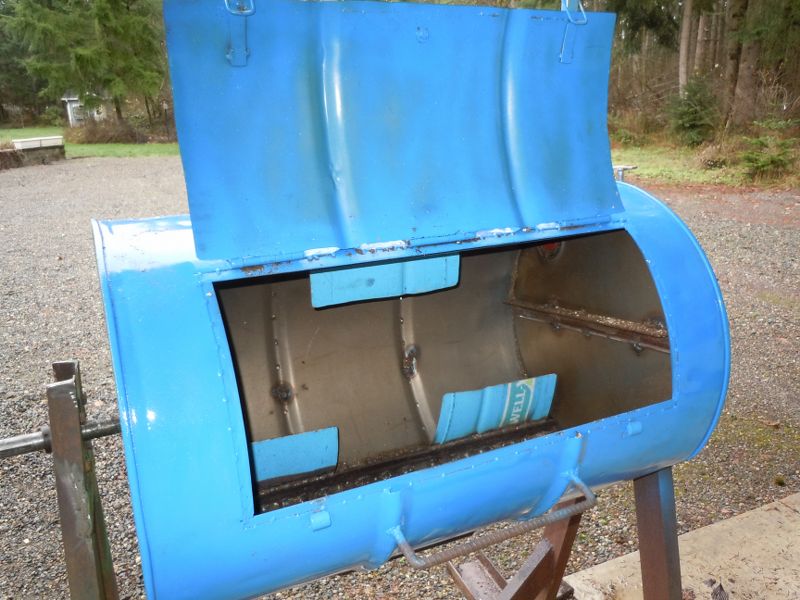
50	309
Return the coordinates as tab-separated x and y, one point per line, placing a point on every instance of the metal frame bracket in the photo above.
83	531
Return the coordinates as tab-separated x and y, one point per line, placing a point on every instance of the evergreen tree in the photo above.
94	48
130	38
17	86
774	25
638	16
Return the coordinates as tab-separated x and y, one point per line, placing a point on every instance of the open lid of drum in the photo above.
318	126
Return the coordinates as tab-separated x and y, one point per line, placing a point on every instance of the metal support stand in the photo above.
619	171
658	536
538	579
83	530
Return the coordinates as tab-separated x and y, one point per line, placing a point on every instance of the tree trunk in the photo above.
685	47
118	108
733	52
647	37
693	34
789	66
719	36
744	109
149	112
703	45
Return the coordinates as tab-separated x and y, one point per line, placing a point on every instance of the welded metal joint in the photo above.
410	355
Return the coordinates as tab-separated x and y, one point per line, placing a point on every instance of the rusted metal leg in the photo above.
538	579
561	536
658	536
477	579
535	577
83	531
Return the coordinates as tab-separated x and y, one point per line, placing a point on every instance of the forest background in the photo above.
719	76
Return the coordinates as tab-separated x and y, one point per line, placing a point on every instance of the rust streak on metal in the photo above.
272	495
253	270
646	335
429	246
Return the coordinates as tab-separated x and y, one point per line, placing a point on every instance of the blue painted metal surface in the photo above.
186	446
305	452
479	411
385	280
334	134
355	123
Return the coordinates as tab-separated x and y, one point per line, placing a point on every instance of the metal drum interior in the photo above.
583	308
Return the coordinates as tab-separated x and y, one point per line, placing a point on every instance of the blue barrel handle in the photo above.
495	537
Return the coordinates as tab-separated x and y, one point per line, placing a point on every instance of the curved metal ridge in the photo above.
335	130
507	125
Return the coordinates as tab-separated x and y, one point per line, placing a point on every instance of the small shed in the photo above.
77	113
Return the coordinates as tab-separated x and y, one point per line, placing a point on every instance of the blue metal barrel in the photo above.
410	296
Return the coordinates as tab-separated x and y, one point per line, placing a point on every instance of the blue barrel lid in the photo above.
317	126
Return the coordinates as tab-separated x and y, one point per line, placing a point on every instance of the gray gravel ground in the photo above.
50	309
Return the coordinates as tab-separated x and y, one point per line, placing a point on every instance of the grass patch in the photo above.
673	165
6	135
780	300
89	150
120	150
656	162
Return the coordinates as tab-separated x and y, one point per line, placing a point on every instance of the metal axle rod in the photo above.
40	440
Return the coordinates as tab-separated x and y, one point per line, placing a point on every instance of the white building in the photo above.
77	114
